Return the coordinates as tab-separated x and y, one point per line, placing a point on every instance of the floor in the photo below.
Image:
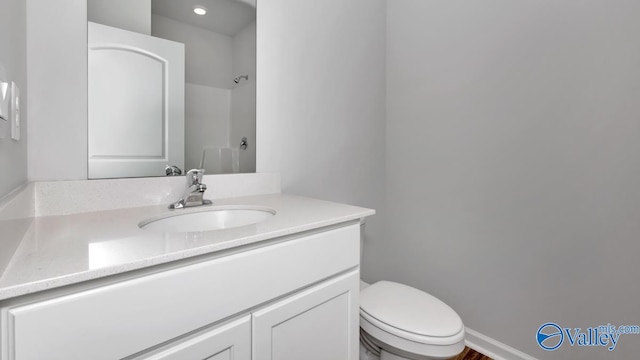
470	354
467	354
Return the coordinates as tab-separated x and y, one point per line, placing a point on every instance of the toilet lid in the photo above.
409	309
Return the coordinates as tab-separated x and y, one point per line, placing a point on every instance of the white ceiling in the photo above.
223	16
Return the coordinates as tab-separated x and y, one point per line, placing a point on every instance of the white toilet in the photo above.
398	322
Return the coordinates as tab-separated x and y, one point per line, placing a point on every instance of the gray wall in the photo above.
13	57
57	63
208	55
321	99
513	167
132	15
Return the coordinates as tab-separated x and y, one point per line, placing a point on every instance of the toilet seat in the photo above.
406	320
417	338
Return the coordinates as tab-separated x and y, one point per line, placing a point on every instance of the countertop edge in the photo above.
37	286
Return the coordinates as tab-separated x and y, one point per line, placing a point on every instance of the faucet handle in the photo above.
172	170
194	176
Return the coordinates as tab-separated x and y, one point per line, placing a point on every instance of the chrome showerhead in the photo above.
237	80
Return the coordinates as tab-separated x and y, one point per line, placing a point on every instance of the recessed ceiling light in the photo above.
200	10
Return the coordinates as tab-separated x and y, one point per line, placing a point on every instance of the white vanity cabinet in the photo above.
225	342
286	299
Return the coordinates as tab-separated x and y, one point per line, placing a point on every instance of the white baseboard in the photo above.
493	348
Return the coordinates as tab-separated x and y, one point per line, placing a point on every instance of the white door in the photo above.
320	323
231	341
136	103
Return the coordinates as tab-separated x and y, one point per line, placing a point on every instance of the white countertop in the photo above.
67	249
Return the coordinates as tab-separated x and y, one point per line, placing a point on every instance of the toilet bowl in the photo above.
398	322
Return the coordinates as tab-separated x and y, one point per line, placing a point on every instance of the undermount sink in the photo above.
206	220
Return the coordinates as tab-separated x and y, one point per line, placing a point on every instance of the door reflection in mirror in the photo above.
136	128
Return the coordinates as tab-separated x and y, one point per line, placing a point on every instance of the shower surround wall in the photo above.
218	111
243	97
513	165
208	84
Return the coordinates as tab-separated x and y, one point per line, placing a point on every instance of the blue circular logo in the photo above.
550	336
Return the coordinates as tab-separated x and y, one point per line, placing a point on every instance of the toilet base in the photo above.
389	356
365	354
370	349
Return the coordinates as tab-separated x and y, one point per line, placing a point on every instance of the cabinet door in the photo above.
231	341
316	324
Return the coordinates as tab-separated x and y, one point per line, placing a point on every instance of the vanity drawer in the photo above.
118	320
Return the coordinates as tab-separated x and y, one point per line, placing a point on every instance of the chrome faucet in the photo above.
195	191
172	170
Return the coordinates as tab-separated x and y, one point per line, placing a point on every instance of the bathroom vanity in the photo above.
94	285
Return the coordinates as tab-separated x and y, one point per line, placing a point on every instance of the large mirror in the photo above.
171	87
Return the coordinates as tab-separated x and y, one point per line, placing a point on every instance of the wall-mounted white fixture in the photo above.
4	102
200	10
15	111
4	99
4	95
